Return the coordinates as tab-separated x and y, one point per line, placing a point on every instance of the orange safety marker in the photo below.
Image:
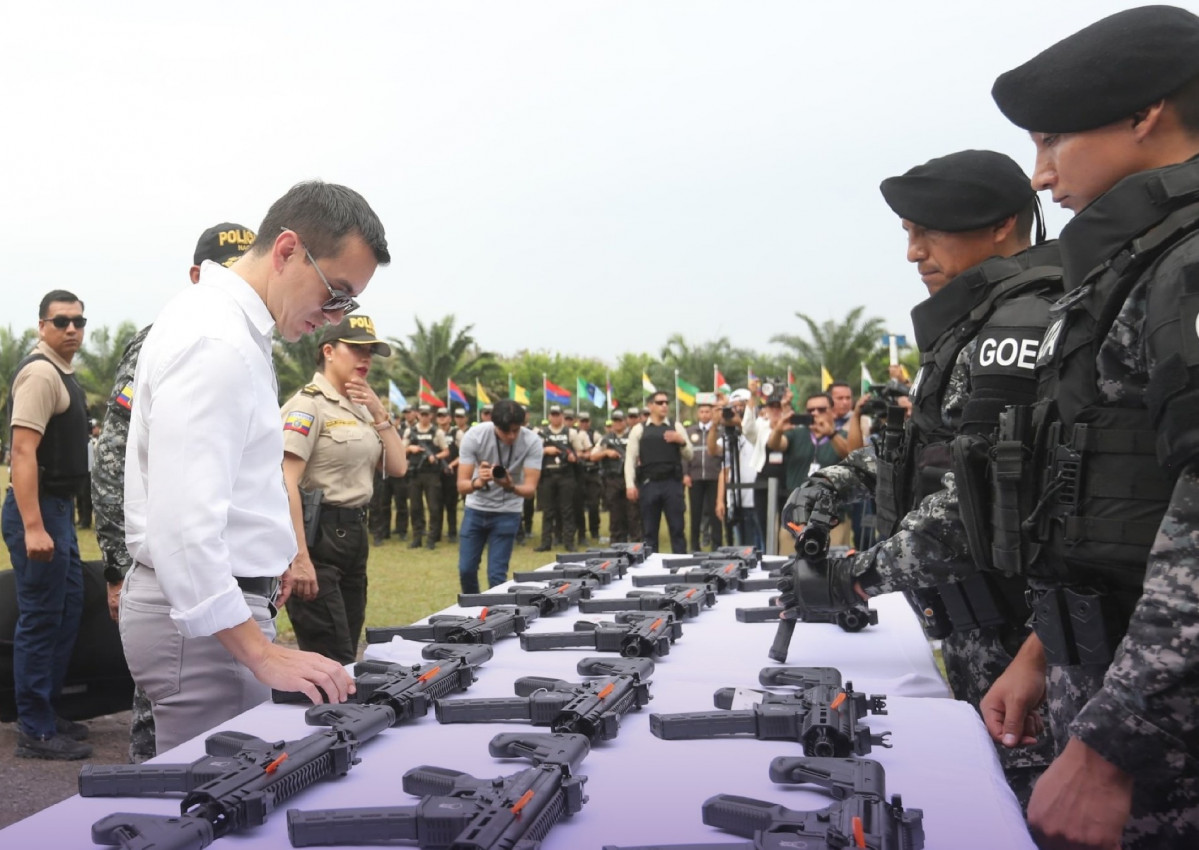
524	801
483	613
607	690
859	834
840	698
424	677
273	766
656	623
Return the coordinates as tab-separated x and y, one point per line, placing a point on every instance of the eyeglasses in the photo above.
61	322
339	302
817	410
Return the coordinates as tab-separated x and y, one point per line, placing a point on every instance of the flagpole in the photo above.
545	404
676	396
608	387
715	370
578	401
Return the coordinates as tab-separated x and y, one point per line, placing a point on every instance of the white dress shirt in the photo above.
204	493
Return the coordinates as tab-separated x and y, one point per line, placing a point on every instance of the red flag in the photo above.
721	385
612	402
427	395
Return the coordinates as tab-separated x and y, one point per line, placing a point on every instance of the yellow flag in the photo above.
481	393
826	380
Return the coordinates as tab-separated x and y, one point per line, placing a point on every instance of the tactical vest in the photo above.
424	462
1100	487
62	452
586	464
611	466
659	460
560	441
944	325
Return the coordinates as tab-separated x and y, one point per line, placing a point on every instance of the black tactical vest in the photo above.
1101	489
659	460
62	452
1003	301
424	462
560	441
611	466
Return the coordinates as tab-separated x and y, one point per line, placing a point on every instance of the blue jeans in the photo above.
496	531
49	607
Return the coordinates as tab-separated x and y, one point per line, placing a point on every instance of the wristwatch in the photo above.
384	425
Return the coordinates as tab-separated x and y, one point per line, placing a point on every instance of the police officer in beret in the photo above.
968	218
336	434
1113	444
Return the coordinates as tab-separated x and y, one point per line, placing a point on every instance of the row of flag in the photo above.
685	392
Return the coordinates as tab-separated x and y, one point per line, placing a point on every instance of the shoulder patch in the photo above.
298	421
311	390
125	397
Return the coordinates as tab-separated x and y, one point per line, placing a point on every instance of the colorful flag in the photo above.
685	391
596	396
481	394
612	402
646	384
867	381
554	393
517	393
826	380
719	384
456	395
395	396
903	370
427	396
581	390
793	385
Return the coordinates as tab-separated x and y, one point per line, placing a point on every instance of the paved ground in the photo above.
31	784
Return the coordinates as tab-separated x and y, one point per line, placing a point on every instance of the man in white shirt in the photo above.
206	512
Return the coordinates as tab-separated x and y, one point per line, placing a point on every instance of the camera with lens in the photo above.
729	414
498	472
883	397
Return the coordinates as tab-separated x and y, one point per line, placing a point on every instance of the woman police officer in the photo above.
336	433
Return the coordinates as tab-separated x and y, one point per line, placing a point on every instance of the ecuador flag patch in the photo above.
125	397
298	421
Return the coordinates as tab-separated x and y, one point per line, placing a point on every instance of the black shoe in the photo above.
401	535
432	544
378	541
415	544
74	731
451	538
54	748
543	548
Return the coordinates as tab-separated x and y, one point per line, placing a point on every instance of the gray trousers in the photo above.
193	683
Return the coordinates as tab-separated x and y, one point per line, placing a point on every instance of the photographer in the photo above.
808	442
734	439
499	465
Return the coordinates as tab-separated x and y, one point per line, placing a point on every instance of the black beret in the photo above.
962	191
1104	72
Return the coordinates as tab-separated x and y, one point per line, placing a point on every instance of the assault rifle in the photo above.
557	595
821	717
429	458
635	552
492	623
722	574
602	570
634	634
592	708
409	691
852	619
236	786
859	817
459	811
681	600
748	555
809	564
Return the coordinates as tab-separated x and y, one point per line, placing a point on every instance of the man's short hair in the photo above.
839	384
56	295
323	215
1186	105
824	396
507	413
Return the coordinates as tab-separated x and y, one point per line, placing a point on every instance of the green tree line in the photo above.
443	350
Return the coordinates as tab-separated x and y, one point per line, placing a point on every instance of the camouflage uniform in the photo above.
108	503
930	549
1141	712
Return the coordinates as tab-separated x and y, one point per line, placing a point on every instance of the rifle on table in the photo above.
852	619
492	623
634	634
748	556
410	690
237	785
681	600
724	575
635	552
592	708
602	570
459	811
558	595
859	817
821	717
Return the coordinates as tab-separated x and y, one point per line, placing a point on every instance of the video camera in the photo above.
883	397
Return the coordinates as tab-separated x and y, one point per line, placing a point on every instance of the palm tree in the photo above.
294	363
97	360
438	353
841	347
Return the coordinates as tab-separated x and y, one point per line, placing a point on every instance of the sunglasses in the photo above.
338	302
660	401
61	322
817	410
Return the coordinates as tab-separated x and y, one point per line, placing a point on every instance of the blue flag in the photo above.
596	395
395	396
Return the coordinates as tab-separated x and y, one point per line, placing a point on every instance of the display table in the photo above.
643	790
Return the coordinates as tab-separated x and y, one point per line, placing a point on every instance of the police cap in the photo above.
223	243
962	191
1102	73
459	411
633	411
355	330
617	414
486	408
555	408
585	415
425	408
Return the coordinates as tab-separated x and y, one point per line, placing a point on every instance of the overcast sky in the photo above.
583	177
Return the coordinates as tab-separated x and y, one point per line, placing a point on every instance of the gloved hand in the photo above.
815	493
820	586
